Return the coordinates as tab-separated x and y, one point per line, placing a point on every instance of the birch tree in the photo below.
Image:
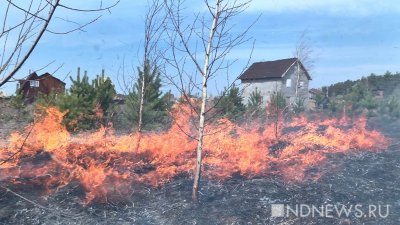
199	49
153	28
23	25
303	52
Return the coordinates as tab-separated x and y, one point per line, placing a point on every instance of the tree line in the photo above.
91	103
374	95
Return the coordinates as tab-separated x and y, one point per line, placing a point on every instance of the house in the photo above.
287	76
34	85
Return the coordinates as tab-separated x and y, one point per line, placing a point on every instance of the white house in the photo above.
287	76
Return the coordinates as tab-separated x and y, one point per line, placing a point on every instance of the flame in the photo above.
108	165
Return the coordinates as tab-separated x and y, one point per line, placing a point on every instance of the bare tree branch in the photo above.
19	65
80	27
90	10
26	33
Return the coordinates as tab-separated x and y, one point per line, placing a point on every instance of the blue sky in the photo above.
350	38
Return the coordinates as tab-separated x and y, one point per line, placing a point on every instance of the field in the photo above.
345	178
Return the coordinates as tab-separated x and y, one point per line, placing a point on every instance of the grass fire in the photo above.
107	166
222	112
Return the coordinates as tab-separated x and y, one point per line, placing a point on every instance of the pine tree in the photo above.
255	100
231	103
255	107
83	100
104	92
154	105
277	102
79	102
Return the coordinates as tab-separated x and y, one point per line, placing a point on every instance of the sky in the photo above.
349	39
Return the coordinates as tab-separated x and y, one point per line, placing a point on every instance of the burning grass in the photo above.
108	166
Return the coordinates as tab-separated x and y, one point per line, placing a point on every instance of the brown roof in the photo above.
31	76
270	69
49	75
34	76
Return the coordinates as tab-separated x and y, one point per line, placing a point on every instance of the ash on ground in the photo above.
361	178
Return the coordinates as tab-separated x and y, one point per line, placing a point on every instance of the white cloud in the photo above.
334	7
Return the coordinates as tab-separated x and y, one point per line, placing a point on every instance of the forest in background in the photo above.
374	95
89	104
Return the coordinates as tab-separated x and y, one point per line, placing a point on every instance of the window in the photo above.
18	86
301	84
34	83
288	82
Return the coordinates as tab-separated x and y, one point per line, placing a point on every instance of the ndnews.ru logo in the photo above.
330	210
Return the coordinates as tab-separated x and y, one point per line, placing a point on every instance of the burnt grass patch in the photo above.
358	178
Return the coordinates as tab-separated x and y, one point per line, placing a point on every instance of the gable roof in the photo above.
45	75
34	76
270	69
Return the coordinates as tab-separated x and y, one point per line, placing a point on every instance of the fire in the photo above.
108	165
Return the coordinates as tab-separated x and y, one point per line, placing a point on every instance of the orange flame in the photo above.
108	165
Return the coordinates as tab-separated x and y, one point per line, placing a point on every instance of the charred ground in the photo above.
349	179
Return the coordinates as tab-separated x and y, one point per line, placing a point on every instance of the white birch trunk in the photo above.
205	75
